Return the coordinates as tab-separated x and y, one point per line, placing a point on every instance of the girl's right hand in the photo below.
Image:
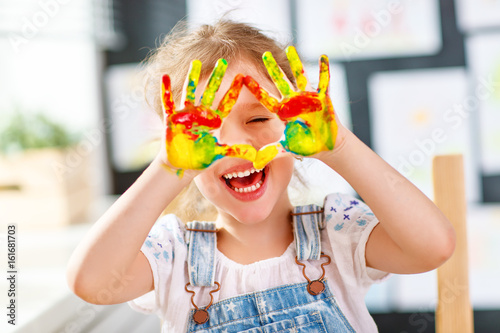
188	142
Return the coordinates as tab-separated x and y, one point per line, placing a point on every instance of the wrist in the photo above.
171	174
344	148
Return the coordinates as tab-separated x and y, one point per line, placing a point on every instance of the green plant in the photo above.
23	130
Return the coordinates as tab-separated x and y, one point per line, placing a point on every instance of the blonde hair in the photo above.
225	39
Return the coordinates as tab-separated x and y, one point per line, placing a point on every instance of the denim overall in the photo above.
288	308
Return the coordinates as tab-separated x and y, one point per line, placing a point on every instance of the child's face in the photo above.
251	196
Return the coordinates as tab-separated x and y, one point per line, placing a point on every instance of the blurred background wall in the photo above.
411	78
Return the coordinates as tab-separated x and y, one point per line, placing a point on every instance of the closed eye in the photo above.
258	120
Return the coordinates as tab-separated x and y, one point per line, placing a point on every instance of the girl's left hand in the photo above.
311	122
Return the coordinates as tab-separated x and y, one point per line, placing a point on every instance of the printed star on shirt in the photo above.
230	306
262	304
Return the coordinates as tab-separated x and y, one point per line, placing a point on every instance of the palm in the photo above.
309	116
189	140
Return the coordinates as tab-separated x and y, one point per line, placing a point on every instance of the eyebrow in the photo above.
252	105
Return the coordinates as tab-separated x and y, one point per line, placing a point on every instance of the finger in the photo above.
166	96
277	75
214	82
261	94
244	151
324	75
192	80
267	153
229	99
297	68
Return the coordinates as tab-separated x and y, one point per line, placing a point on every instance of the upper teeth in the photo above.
241	174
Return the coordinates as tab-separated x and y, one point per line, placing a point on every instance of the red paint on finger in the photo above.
192	118
300	104
269	102
167	98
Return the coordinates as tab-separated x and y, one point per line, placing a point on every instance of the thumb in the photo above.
267	153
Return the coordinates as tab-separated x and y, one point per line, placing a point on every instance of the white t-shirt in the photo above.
349	223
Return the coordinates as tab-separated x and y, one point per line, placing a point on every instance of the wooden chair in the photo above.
454	311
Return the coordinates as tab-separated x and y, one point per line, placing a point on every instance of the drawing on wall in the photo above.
478	14
347	29
484	266
417	114
262	14
483	54
134	128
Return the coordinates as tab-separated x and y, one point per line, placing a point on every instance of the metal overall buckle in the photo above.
201	316
315	287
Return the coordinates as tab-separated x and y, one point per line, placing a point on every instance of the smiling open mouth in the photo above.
246	181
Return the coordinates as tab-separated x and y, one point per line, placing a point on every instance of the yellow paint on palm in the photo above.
178	151
309	134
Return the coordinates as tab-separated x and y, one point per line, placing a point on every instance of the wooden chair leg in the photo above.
454	311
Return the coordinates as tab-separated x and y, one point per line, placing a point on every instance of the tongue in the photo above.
247	181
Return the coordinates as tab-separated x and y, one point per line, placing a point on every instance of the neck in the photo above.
248	243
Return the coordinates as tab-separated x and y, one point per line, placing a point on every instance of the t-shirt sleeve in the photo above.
160	247
349	222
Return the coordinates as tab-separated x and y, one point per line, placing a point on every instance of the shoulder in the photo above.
166	252
343	212
168	227
165	237
348	225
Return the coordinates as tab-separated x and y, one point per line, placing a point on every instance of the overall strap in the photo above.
202	242
307	222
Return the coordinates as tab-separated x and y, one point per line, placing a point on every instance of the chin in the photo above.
249	217
247	194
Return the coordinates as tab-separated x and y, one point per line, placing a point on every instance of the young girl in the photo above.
262	265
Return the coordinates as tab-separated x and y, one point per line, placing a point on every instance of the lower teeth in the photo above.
248	189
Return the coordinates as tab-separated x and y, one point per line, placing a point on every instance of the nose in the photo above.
232	133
